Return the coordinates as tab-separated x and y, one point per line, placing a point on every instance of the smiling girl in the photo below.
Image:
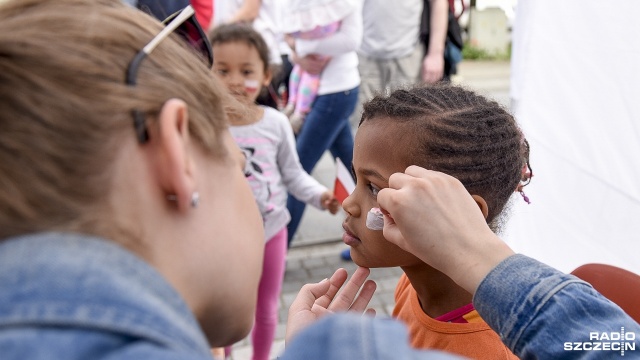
241	61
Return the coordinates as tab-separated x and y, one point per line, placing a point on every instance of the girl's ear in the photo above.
482	205
268	75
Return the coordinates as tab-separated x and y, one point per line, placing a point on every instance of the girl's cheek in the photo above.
251	86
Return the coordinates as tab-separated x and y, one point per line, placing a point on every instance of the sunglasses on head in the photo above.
184	24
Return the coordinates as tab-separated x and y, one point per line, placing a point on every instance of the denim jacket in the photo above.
542	313
69	296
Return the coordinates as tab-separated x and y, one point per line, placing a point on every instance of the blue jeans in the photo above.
326	127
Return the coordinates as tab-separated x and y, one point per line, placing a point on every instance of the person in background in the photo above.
309	20
241	61
264	16
433	37
326	126
161	9
204	12
390	54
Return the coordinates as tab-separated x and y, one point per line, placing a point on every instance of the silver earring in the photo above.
195	199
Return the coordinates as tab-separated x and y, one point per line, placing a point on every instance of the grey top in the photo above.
391	28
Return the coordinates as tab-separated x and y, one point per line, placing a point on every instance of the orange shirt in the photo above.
475	339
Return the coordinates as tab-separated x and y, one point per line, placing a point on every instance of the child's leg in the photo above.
294	82
264	328
307	94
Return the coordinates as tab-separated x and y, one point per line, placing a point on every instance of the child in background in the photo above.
309	20
241	61
452	130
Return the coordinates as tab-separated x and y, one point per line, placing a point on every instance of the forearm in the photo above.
346	39
297	181
438	26
247	12
481	255
537	309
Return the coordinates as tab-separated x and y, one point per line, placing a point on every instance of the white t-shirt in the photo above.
341	73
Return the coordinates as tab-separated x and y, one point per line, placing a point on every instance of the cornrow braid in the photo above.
460	133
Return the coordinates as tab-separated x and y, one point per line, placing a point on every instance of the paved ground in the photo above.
316	247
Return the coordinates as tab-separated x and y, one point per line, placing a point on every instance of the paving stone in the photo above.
314	263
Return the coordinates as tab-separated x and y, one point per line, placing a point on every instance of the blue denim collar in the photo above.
78	281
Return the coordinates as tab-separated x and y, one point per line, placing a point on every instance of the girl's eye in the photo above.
374	189
221	71
247	72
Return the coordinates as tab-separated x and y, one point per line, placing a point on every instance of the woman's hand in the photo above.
312	63
431	215
317	300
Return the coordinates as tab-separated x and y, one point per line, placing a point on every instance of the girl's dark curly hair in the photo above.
460	133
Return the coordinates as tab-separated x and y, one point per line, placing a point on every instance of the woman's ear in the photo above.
482	205
175	165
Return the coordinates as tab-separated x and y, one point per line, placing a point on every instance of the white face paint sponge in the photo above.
375	219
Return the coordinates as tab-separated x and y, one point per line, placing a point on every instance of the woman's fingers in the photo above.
364	297
346	297
336	281
308	296
339	294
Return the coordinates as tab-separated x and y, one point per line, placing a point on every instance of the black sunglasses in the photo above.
183	23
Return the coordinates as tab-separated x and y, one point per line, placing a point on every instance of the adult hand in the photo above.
432	68
317	300
431	215
312	63
329	202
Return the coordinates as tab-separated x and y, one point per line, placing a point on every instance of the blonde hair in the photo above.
66	107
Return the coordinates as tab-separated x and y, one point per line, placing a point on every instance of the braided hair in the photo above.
462	134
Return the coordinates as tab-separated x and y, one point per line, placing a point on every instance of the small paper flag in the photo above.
344	184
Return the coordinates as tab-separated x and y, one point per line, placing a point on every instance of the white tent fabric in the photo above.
575	88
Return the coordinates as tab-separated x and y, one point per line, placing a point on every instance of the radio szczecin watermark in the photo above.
605	341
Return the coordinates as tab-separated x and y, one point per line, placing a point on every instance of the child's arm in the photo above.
346	39
247	12
329	202
297	181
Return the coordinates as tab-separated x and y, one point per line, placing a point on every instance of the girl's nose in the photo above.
350	206
235	79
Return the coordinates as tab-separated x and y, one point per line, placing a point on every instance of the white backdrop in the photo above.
575	88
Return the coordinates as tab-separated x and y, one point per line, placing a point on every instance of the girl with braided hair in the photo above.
455	131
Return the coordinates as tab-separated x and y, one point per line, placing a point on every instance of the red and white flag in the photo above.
344	184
